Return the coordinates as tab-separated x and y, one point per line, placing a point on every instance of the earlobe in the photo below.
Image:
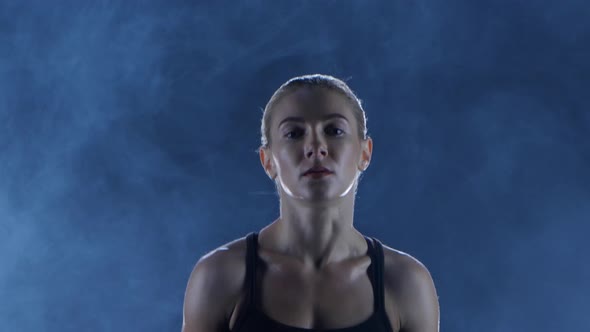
266	162
271	171
366	155
364	165
271	175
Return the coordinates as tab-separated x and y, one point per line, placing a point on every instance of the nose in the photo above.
316	148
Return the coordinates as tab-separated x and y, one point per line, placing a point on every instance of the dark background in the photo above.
128	131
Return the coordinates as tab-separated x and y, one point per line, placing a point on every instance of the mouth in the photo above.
317	174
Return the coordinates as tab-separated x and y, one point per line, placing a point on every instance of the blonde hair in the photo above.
313	80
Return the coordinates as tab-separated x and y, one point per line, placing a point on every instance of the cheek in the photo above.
285	158
351	157
348	150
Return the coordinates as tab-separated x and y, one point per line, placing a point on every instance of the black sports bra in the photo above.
252	319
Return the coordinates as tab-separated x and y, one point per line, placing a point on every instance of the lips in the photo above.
317	169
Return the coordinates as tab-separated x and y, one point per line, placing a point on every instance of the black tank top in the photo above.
252	319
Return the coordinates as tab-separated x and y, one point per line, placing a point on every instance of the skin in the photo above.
315	260
315	226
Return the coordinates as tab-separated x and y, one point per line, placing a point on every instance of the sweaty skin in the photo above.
315	258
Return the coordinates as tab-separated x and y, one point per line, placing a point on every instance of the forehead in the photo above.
311	103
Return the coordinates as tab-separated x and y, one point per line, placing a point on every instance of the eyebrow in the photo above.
299	119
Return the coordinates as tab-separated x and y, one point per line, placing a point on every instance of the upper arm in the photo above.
417	298
206	300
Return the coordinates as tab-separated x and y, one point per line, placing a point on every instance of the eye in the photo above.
296	131
330	130
335	130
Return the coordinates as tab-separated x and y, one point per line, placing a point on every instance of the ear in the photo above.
366	153
267	164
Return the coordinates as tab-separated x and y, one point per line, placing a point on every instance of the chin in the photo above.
324	196
320	193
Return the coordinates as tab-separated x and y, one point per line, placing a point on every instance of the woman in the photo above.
310	269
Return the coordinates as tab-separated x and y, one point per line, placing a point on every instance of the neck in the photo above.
317	235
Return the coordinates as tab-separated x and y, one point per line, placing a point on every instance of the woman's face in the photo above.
310	127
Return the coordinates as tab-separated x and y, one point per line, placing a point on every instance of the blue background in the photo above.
128	132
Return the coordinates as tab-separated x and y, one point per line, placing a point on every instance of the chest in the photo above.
337	297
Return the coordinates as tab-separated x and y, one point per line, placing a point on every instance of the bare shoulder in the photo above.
214	286
225	254
399	266
224	266
410	285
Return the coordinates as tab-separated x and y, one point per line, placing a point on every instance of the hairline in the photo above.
284	91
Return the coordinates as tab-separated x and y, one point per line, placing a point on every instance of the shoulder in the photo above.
224	255
410	285
402	267
225	265
217	278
